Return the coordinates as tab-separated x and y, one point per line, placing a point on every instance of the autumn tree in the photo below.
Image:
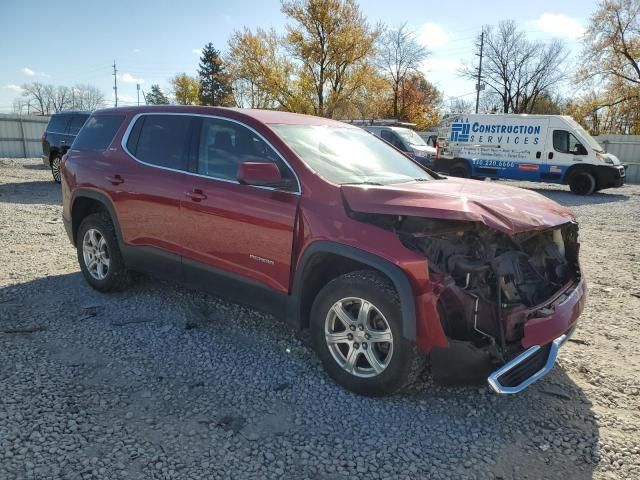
215	83
611	67
399	55
263	76
332	42
156	96
186	89
519	71
419	102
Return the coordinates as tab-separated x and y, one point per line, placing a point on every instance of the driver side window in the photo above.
225	145
565	142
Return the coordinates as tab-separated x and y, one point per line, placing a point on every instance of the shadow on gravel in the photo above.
30	193
567	198
547	432
36	166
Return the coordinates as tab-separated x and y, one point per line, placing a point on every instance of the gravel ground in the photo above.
160	382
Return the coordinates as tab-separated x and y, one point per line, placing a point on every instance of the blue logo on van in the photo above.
460	132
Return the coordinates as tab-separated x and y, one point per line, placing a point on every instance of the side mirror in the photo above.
262	174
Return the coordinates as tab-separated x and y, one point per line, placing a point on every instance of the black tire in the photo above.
582	183
460	169
405	362
117	276
55	168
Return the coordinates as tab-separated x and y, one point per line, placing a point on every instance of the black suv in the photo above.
58	137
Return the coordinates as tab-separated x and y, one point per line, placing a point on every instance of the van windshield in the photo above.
411	137
349	155
584	135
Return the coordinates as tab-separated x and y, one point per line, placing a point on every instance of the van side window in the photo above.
566	142
393	139
161	140
225	145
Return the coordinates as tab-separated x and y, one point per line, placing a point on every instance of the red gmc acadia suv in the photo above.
332	229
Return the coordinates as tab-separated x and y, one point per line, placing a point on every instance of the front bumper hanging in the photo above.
528	367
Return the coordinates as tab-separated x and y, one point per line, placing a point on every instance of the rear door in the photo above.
148	186
240	229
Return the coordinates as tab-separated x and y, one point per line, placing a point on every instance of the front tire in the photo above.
460	169
55	168
582	183
356	325
99	255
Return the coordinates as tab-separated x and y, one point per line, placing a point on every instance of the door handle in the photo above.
115	180
538	154
196	195
550	156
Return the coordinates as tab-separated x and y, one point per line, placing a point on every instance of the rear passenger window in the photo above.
225	145
161	140
98	132
76	123
58	123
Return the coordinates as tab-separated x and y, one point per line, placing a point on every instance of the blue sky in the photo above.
152	40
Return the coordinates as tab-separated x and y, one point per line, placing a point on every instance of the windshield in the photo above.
349	155
410	136
586	137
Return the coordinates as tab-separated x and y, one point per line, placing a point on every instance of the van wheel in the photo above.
99	255
582	183
55	168
460	169
356	326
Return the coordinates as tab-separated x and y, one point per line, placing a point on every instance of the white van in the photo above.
406	140
537	148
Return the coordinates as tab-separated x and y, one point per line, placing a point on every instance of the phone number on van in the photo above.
493	163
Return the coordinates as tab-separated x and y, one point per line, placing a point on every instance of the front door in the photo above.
243	230
563	150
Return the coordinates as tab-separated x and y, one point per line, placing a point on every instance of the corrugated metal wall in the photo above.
627	149
20	135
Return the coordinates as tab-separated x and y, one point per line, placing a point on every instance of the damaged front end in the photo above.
505	301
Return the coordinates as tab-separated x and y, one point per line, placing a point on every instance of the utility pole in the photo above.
115	81
478	86
138	89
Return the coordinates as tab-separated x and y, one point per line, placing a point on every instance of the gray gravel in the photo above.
159	382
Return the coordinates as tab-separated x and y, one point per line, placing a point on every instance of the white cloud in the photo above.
28	71
136	50
197	51
432	35
128	78
15	88
559	25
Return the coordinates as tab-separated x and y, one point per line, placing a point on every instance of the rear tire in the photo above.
460	169
582	183
55	168
99	255
356	327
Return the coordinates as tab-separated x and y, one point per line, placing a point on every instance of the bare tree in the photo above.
399	55
39	96
517	70
60	98
459	105
86	97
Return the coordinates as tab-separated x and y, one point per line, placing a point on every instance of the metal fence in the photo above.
627	149
20	135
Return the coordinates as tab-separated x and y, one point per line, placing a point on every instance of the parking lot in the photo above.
160	382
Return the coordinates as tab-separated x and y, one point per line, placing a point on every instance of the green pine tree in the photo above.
156	97
215	83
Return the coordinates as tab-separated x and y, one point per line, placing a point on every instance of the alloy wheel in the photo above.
359	337
96	254
55	168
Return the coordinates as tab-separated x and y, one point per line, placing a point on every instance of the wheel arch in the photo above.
322	261
85	202
581	167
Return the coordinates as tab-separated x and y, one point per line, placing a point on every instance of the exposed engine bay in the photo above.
486	277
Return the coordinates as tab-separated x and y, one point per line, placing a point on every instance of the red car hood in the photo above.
507	209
